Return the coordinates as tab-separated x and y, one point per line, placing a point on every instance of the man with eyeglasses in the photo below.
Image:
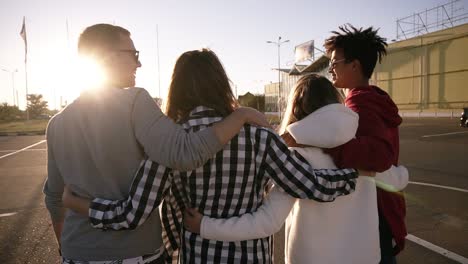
99	140
354	54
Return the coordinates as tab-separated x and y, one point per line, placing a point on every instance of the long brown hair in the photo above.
311	92
199	79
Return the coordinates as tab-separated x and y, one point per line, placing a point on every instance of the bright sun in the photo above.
89	72
73	76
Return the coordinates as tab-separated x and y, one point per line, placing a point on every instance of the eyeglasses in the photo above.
134	53
333	64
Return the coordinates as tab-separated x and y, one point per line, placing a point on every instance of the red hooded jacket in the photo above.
376	148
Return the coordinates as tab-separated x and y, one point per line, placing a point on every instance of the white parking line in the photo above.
430	246
23	149
449	254
445	134
12	150
439	186
8	214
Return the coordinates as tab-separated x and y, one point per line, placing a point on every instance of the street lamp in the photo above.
279	72
12	72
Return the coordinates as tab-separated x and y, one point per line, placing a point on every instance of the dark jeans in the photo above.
386	248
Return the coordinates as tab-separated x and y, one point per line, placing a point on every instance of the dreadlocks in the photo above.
360	44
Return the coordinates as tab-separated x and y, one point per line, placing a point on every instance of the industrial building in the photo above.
425	73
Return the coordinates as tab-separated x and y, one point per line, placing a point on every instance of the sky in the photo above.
236	30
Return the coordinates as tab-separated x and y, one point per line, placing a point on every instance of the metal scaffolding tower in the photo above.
437	18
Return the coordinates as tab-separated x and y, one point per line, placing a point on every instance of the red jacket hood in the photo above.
378	101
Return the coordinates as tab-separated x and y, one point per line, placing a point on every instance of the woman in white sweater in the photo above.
345	231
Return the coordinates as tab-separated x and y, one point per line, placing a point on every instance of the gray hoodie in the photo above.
95	146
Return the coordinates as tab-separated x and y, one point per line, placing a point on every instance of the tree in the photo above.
36	106
10	112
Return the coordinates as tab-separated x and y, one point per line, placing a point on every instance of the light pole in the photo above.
12	72
258	88
279	70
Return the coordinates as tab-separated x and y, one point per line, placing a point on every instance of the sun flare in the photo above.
90	74
73	76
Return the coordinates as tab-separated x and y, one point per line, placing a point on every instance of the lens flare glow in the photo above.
65	78
90	74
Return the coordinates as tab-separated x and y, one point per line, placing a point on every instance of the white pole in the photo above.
26	82
279	72
13	85
159	72
279	78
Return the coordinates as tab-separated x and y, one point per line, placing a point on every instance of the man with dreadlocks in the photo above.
354	53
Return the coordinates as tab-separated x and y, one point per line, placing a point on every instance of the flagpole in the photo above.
24	36
69	61
26	81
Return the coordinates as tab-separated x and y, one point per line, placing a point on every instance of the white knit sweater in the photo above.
344	231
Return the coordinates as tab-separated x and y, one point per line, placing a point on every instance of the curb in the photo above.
29	133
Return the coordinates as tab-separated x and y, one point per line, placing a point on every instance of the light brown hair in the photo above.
97	39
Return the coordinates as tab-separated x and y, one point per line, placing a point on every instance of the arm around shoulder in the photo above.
167	142
394	179
170	145
264	222
53	189
371	150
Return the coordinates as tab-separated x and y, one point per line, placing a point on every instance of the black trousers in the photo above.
386	245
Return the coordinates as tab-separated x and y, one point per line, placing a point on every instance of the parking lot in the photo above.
433	149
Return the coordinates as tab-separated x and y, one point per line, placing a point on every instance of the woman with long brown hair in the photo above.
199	79
230	184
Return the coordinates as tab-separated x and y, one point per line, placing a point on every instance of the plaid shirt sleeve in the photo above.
149	186
171	219
291	172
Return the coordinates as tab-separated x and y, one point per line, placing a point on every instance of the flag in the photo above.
23	35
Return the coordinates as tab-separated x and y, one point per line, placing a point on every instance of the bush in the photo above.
10	113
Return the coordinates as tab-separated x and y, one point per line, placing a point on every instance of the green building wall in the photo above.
427	72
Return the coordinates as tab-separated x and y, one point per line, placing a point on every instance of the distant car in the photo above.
464	118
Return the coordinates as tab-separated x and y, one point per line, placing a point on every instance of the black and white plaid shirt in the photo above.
230	184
